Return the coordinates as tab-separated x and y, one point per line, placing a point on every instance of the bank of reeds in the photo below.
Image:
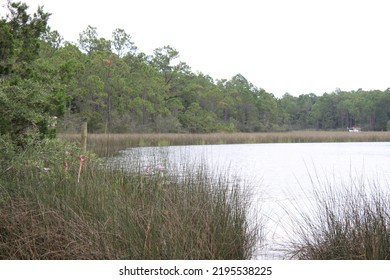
114	214
347	222
108	144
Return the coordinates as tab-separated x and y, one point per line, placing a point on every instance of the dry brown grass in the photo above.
32	231
106	145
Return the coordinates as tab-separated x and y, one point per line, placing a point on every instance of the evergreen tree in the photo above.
25	102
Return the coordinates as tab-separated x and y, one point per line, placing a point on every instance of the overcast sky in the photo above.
300	46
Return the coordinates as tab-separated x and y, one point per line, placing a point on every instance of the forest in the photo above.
54	207
46	81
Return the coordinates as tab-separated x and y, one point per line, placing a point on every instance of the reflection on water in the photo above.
281	176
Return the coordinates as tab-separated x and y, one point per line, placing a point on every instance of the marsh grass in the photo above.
113	214
343	222
109	144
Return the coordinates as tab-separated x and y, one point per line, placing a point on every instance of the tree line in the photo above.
117	88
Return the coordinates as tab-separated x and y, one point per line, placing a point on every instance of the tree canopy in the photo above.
119	89
25	102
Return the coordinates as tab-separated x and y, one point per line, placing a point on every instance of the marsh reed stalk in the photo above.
84	137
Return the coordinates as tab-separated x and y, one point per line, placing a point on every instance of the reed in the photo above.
109	144
118	214
351	222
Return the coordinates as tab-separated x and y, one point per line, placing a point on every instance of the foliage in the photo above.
24	108
25	102
20	35
126	91
122	90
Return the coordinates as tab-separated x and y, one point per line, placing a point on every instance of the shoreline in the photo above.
109	144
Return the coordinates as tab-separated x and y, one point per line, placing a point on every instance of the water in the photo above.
281	176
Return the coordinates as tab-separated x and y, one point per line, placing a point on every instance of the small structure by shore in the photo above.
354	129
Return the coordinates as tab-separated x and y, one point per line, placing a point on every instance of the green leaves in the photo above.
21	33
7	48
121	42
121	90
195	119
24	109
25	102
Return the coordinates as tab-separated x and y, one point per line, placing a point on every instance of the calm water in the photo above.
278	174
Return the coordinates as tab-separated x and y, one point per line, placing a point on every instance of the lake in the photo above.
281	176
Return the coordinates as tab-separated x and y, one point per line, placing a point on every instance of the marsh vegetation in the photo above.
112	213
116	214
109	144
348	222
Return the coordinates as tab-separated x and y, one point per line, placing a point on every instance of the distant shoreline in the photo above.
109	144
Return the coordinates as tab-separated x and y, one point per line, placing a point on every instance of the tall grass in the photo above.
115	214
108	144
347	222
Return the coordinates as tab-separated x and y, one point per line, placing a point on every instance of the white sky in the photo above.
295	46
